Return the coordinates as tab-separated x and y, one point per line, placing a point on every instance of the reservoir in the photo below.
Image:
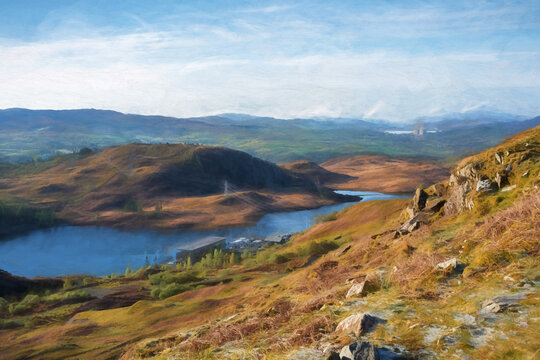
99	251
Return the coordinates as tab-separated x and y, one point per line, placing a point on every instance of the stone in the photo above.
484	185
359	324
410	212
438	189
502	303
508	168
344	250
365	287
501	180
526	173
457	199
419	200
359	350
508	188
332	355
499	158
448	265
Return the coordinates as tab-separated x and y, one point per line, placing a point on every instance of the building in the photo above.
199	248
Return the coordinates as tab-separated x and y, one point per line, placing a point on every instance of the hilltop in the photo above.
161	186
453	272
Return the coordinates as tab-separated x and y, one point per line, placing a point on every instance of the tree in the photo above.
188	263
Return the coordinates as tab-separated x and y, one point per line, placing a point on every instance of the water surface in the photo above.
100	251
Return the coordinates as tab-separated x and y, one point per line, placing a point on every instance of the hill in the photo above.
384	174
34	134
163	186
453	272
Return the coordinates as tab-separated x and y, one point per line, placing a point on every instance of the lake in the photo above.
100	251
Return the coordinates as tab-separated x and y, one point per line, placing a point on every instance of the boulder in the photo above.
412	224
359	350
502	303
332	355
448	265
457	200
371	284
499	158
484	185
359	324
419	200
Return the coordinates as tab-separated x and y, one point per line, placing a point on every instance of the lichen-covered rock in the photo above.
359	350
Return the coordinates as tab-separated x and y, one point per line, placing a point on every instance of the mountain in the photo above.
453	271
41	134
121	185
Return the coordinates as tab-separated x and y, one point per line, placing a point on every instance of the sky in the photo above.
392	60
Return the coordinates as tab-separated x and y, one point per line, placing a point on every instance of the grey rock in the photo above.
359	324
502	303
484	185
359	350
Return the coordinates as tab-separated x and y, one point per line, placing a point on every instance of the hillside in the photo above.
161	186
384	174
32	134
453	272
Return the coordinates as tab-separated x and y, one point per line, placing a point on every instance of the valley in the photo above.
453	271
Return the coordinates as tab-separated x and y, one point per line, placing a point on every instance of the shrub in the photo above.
320	248
3	305
166	277
9	324
80	295
326	217
173	289
282	258
132	206
26	304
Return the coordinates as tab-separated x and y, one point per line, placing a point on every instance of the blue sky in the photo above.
372	59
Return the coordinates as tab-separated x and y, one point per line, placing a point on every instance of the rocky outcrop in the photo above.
502	303
359	324
419	200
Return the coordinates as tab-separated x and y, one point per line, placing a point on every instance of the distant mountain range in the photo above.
37	134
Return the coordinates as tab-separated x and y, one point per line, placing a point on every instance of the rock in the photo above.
344	250
502	303
484	185
501	180
526	173
508	188
419	200
438	189
412	224
508	168
365	287
332	355
410	212
457	200
499	158
438	206
359	350
359	324
448	265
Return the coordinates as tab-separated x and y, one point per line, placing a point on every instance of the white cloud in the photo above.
290	67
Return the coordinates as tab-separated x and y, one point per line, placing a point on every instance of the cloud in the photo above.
295	64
